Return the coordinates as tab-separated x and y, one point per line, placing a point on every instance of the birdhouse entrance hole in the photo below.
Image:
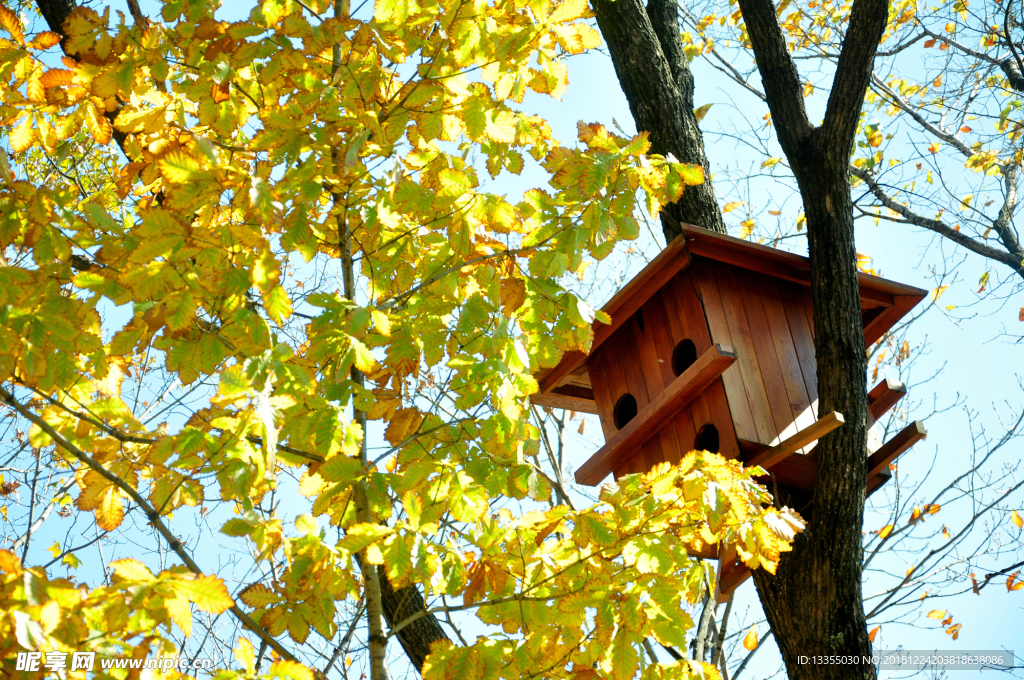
707	439
625	410
683	356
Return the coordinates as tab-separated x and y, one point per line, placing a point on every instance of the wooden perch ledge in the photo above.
680	392
884	396
808	435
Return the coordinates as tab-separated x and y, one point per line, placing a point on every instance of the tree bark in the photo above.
814	601
417	636
655	76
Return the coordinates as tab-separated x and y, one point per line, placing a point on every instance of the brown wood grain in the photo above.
794	302
884	396
750	285
654	416
718	324
604	390
747	360
770	457
625	344
785	352
895	447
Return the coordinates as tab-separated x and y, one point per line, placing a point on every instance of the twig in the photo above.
150	513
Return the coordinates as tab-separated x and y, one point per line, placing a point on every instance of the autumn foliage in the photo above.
212	177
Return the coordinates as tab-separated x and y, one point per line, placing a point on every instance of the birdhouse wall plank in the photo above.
684	319
687	319
681	308
660	325
603	397
788	416
731	327
783	417
732	379
785	352
795	299
650	333
629	345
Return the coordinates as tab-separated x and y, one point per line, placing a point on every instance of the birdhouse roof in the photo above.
567	384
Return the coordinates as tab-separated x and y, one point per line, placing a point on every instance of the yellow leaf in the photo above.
381	322
937	614
9	562
750	640
99	126
937	293
23	136
12	23
180	612
729	207
1016	519
54	549
49	616
747	228
885	531
45	40
131	570
178	167
404	423
207	592
35	90
570	10
290	669
258	596
775	212
56	77
915	515
702	111
110	509
513	295
771	162
244	654
104	86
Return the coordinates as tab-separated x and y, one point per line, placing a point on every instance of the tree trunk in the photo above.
652	69
813	602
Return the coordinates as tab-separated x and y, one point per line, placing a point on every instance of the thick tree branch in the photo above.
655	76
928	126
1010	66
853	73
779	77
936	226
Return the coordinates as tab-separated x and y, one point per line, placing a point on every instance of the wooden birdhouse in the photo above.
711	347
